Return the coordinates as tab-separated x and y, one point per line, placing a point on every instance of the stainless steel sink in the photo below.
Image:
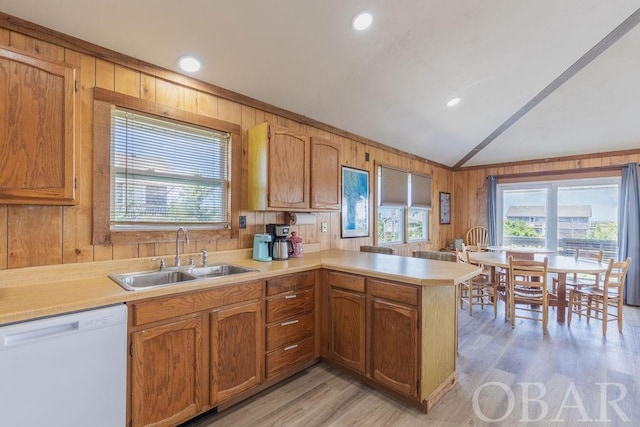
219	270
151	279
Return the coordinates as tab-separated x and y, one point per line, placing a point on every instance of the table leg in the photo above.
562	296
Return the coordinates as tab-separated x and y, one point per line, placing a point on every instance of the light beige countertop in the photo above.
33	292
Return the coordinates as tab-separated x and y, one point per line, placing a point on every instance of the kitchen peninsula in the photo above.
388	320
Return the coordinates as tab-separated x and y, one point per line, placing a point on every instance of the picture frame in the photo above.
445	208
355	215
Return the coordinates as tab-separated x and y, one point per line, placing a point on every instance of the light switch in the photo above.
323	227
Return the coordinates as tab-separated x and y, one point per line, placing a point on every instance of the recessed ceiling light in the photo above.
453	101
362	21
189	64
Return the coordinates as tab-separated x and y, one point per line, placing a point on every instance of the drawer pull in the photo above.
290	322
290	296
291	347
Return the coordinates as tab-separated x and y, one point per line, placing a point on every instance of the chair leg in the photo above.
605	308
470	296
619	314
570	309
545	316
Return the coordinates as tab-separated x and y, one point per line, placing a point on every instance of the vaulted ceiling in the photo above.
537	79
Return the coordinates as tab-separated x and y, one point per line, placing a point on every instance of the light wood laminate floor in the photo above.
507	377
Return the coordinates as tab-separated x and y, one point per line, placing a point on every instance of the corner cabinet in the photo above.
37	130
346	310
289	170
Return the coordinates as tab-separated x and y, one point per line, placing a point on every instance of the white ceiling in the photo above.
390	83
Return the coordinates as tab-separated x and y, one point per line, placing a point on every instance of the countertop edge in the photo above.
71	294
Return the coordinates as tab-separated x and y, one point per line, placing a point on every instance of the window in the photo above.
169	167
165	172
404	200
562	215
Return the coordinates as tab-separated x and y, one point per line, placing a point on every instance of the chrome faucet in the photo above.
204	257
186	241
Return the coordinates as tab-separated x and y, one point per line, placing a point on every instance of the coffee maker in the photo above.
279	245
261	247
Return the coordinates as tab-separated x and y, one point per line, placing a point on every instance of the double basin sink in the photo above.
172	276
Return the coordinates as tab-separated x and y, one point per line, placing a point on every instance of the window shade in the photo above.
165	172
393	187
420	191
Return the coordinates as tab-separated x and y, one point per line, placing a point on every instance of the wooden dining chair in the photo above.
377	249
527	293
585	280
477	290
605	300
436	255
477	236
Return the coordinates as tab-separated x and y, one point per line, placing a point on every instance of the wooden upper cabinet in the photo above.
289	170
278	171
37	130
325	174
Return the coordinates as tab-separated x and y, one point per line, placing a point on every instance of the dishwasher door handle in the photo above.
35	335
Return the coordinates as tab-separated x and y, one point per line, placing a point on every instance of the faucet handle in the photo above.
191	262
163	263
204	257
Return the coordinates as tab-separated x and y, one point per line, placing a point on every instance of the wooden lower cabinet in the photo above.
391	334
347	328
236	349
166	371
290	324
394	346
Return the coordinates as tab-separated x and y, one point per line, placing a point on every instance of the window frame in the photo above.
104	100
404	217
551	186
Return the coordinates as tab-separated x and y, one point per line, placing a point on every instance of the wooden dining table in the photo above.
561	265
520	250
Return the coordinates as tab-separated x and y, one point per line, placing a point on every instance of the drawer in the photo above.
394	291
285	358
290	305
289	331
293	282
167	307
345	281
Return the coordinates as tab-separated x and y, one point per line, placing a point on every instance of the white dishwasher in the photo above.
68	370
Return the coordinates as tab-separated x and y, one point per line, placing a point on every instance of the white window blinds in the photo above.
393	187
165	172
420	191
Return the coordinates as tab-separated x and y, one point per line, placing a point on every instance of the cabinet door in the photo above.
237	350
288	170
347	328
325	174
37	101
166	371
394	342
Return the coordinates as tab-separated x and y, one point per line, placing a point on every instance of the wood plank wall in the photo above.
470	194
47	235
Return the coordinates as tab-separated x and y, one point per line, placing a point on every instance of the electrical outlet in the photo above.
243	222
323	227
